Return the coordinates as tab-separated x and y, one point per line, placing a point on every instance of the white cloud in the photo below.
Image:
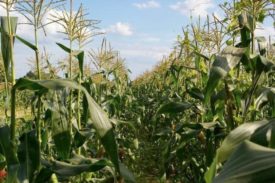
123	29
25	30
193	7
264	30
52	29
154	53
147	5
23	53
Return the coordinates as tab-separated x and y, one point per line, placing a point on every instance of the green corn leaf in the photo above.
85	114
226	61
201	55
254	131
246	20
262	44
265	95
44	175
99	118
5	41
237	136
263	64
246	27
65	48
81	137
62	169
9	153
63	142
196	93
249	163
264	135
78	54
3	162
80	58
27	43
174	107
126	174
28	155
211	172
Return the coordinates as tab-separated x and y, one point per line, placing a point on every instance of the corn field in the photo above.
204	114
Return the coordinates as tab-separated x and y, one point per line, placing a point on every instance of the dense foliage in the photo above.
206	113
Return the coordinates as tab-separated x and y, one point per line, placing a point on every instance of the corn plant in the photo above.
205	113
213	88
34	12
8	29
31	156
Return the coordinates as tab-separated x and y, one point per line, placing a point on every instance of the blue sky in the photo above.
154	26
142	30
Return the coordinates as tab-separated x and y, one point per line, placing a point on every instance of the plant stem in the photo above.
13	119
7	94
78	102
78	110
11	46
249	100
37	59
38	128
13	92
253	28
70	64
229	107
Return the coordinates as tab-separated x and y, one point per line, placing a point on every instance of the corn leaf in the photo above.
254	131
226	61
65	48
62	143
27	43
80	58
249	163
9	153
28	155
99	118
63	169
126	174
6	42
174	107
266	95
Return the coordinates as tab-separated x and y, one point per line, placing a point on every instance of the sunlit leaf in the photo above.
6	41
249	163
63	169
254	131
262	44
266	95
226	61
99	118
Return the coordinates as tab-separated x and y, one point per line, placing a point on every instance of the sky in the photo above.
143	31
